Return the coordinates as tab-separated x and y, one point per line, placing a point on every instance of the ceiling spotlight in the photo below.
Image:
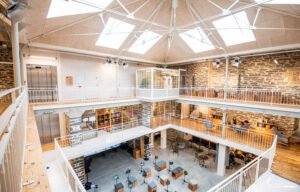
275	61
124	64
108	60
236	62
217	63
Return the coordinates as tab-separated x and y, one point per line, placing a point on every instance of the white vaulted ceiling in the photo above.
165	31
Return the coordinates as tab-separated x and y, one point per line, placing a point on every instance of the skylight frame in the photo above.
145	42
61	8
114	33
190	37
235	29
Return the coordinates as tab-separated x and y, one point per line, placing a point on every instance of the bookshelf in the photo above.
78	165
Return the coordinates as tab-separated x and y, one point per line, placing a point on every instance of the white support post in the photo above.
152	83
152	138
16	53
163	139
226	78
221	159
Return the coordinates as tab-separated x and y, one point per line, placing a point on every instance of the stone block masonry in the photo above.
268	71
6	70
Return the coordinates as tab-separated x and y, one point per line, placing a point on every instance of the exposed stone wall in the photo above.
256	71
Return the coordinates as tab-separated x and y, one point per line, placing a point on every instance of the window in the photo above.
281	2
59	8
197	40
114	33
235	29
144	42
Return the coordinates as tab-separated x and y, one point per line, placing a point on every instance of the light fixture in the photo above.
108	60
123	63
42	57
275	61
236	62
217	63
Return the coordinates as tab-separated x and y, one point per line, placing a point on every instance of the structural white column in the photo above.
62	124
152	138
226	78
163	139
16	53
222	159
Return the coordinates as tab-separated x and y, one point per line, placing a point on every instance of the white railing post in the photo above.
240	181
257	169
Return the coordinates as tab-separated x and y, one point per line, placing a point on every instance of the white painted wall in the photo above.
92	78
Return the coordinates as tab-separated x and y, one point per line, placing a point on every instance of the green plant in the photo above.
144	83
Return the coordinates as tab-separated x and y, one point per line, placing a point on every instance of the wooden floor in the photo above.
287	162
34	166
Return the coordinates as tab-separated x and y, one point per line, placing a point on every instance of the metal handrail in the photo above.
9	91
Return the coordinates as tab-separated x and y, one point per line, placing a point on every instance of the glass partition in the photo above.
157	82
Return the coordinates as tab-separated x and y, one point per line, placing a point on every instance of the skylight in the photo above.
287	2
59	8
114	33
197	40
235	29
144	42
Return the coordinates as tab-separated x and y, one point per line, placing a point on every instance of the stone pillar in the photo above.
142	145
62	124
163	139
222	159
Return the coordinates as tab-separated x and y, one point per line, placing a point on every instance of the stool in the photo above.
119	187
147	172
193	186
152	187
163	180
132	180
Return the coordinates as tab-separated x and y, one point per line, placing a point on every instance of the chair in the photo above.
208	124
283	139
296	137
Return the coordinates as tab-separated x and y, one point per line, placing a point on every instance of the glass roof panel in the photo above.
287	2
114	33
235	29
146	40
197	40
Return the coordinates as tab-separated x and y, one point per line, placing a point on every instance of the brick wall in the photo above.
256	71
6	70
6	73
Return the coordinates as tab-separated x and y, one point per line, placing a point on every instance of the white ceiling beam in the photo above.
256	16
154	12
172	27
123	7
232	5
140	7
216	5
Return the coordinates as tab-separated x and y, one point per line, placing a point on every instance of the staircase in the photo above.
287	162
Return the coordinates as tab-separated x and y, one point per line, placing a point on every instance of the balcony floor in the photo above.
287	162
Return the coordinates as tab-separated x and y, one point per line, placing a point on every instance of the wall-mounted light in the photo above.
42	57
275	61
108	60
218	63
236	62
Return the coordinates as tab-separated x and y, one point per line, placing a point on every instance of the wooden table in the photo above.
163	180
119	187
132	180
177	172
160	165
147	172
193	186
152	187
